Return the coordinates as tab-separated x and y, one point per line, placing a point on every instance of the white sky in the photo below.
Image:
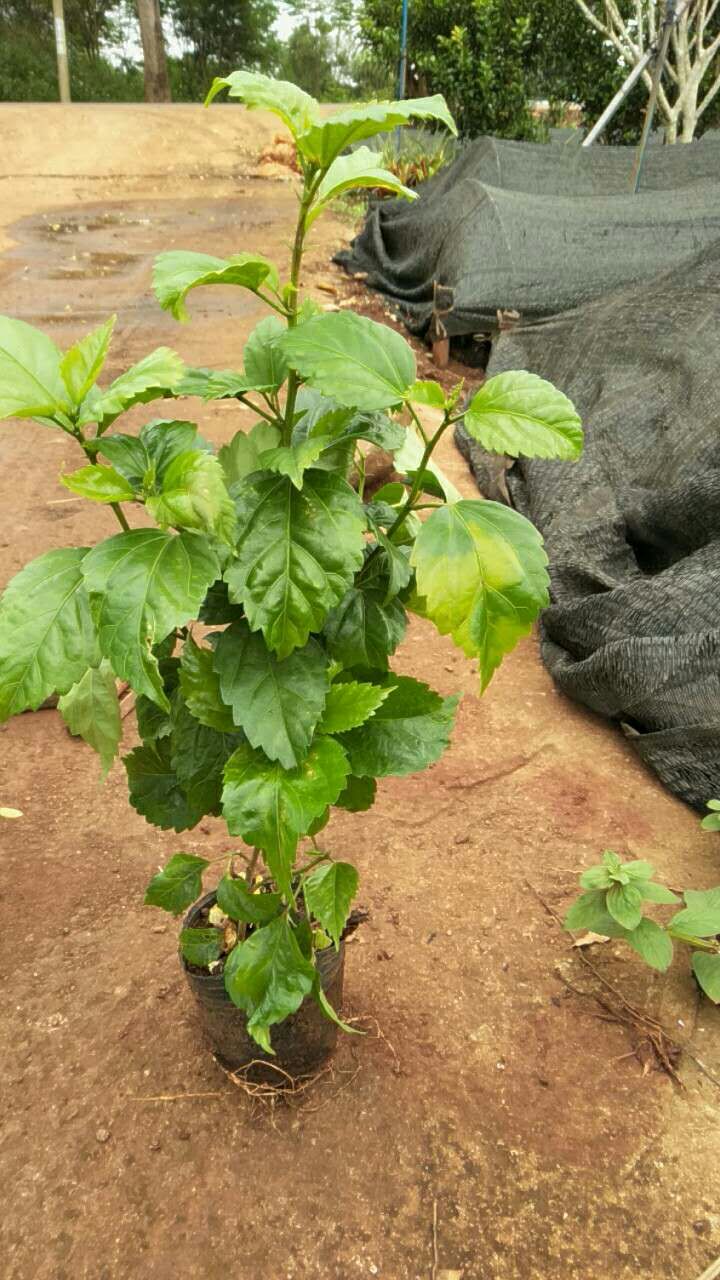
132	48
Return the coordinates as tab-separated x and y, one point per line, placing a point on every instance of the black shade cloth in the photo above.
513	226
632	530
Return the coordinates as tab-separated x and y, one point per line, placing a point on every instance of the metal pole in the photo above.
654	90
632	79
402	68
61	47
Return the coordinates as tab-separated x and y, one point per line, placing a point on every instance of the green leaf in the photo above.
148	583
407	733
152	378
268	977
166	439
81	365
237	901
30	382
91	711
201	946
639	870
216	384
270	807
47	635
652	892
216	608
706	968
322	140
590	912
194	496
624	903
325	1005
409	457
350	704
329	890
128	456
701	914
358	169
297	553
241	456
596	878
366	627
178	884
100	484
265	361
358	795
713	804
177	272
652	943
198	756
351	358
297	110
523	415
481	570
155	791
276	702
711	822
293	460
200	686
427	393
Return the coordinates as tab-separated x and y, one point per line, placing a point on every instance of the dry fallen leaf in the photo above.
589	938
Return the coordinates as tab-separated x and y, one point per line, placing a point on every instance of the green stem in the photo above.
312	182
416	487
692	941
120	515
90	449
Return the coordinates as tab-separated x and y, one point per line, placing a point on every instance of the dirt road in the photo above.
487	1095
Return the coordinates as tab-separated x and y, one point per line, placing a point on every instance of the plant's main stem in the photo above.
312	182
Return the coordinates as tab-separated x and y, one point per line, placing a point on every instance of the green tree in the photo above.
307	60
222	31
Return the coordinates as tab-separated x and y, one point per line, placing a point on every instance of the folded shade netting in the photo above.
536	253
632	530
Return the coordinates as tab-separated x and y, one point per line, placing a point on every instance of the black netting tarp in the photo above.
633	529
513	226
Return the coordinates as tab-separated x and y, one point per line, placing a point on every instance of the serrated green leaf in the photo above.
47	635
297	553
639	870
358	169
366	627
351	358
265	361
408	732
701	914
652	892
198	755
30	382
200	685
293	460
276	702
481	570
216	384
147	582
270	807
322	140
328	891
590	912
166	439
596	878
201	946
152	378
652	943
236	900
706	968
358	795
409	457
194	496
155	791
83	362
178	271
91	711
268	977
350	704
624	903
297	110
128	456
99	484
427	393
241	456
178	884
523	415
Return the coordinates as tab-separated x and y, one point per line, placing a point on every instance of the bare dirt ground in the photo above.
497	1101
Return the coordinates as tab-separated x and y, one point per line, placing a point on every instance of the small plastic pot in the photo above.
301	1043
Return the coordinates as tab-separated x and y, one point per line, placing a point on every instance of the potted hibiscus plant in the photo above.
252	598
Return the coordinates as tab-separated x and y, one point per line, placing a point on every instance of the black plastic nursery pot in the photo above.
302	1042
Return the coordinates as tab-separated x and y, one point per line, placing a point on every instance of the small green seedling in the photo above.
612	906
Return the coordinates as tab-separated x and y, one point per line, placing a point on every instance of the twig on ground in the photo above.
433	1271
712	1272
174	1097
